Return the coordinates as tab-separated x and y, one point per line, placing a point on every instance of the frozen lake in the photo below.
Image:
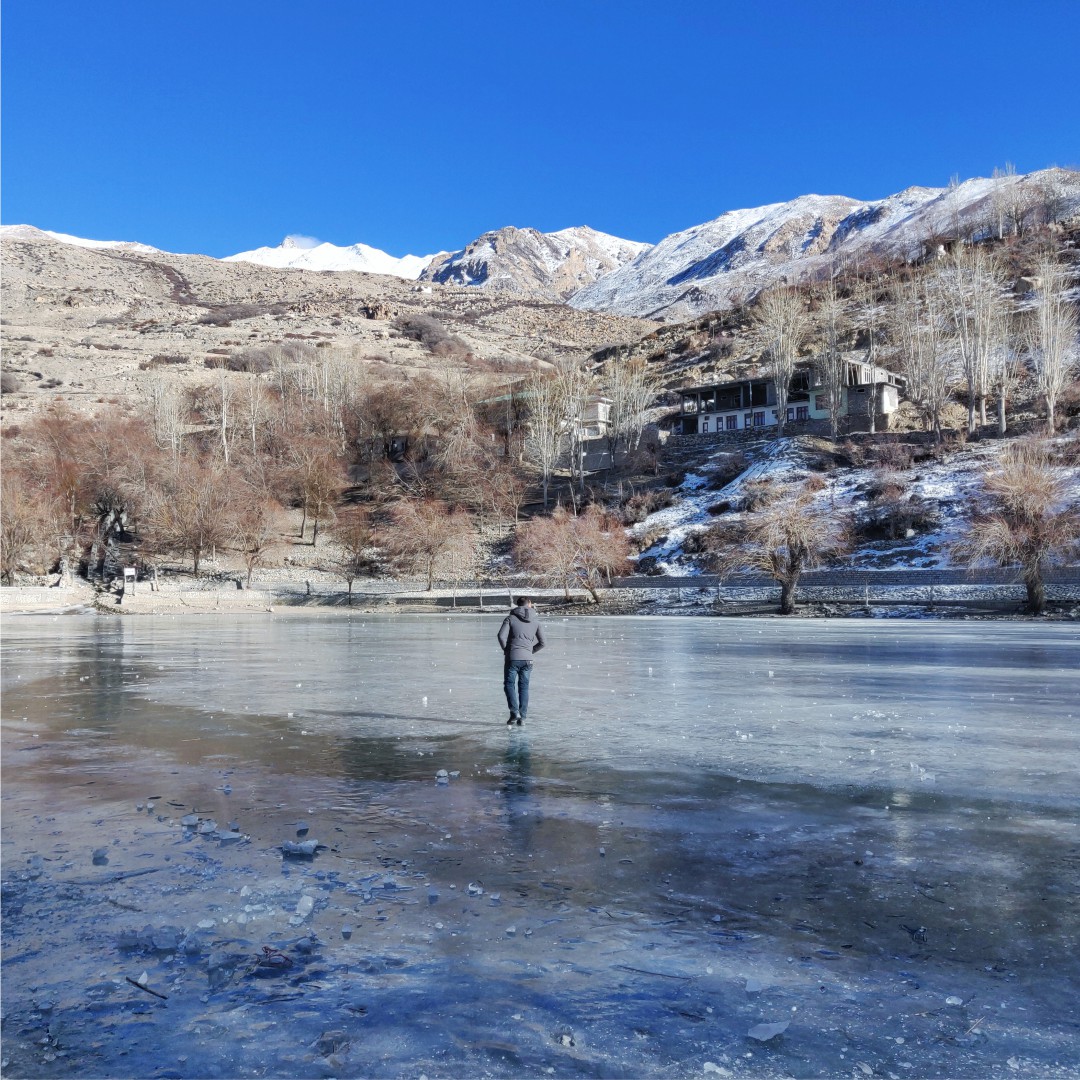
864	831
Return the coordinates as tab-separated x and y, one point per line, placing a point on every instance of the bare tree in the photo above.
546	427
355	534
832	321
1006	368
1004	180
972	286
566	549
781	323
425	536
1026	519
631	387
920	348
192	512
1053	347
169	417
253	528
19	525
578	385
791	534
603	548
317	479
546	547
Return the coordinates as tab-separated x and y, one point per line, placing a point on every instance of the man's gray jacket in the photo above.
520	634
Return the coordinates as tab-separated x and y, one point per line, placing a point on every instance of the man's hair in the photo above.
521	601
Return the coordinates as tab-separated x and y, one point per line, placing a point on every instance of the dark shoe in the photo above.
512	719
519	720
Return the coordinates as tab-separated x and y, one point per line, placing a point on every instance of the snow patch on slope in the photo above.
29	232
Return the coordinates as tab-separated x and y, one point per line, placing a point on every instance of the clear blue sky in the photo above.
416	126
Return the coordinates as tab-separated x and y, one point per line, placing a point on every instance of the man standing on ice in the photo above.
520	636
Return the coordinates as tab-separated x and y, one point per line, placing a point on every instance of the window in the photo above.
791	414
748	419
759	419
802	412
731	423
704	425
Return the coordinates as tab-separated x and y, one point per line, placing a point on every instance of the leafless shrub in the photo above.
896	515
732	467
1066	453
251	361
638	507
815	483
885	487
227	314
649	538
161	360
758	494
892	455
430	333
1025	520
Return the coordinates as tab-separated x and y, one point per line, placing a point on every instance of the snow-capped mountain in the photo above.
304	253
525	262
708	267
729	259
29	232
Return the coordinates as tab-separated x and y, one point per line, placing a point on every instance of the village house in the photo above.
870	392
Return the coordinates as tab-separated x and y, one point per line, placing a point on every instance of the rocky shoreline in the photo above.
299	597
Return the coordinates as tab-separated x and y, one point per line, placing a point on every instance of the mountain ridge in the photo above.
712	266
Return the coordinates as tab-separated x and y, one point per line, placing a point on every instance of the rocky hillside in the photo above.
724	262
92	323
542	266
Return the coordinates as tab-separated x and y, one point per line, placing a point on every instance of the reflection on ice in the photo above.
777	848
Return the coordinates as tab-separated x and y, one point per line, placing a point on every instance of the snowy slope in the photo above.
731	258
953	485
301	253
543	266
29	232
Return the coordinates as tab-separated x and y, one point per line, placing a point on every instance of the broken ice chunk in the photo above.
765	1032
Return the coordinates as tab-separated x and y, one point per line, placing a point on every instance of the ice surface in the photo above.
660	862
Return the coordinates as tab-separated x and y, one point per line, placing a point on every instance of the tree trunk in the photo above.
1036	591
303	522
315	532
1001	414
787	595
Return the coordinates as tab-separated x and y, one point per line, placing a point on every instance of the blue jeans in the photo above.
516	685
